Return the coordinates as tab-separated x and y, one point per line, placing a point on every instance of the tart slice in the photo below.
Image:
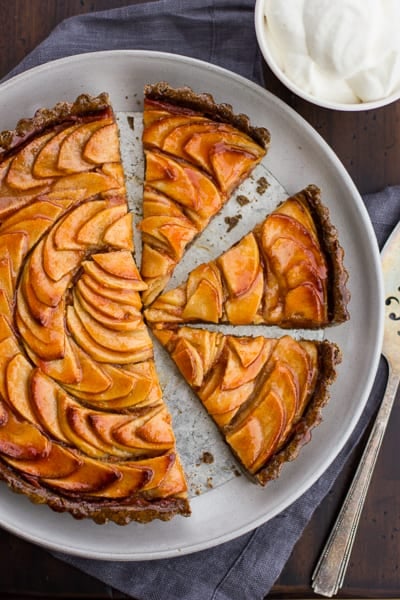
264	394
197	152
288	271
83	426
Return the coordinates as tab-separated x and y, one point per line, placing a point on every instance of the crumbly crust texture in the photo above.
205	103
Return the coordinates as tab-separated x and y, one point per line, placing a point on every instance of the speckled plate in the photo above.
298	156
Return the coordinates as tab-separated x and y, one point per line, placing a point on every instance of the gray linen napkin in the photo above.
222	33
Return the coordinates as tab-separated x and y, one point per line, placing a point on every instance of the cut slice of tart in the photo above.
288	271
83	425
264	394
197	152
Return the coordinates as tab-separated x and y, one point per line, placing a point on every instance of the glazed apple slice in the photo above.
123	341
102	354
70	156
256	438
120	233
21	174
184	184
46	290
105	306
66	233
45	404
18	380
59	264
89	183
46	161
58	463
15	247
21	440
121	296
66	370
103	145
92	232
8	349
47	341
90	476
124	324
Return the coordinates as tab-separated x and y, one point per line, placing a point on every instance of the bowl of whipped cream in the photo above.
339	54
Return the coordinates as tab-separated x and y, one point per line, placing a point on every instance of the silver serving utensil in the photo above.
331	568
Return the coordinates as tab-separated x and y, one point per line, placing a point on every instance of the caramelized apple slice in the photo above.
66	233
240	265
242	310
183	183
120	264
90	476
120	233
59	263
90	183
188	362
58	463
46	341
66	370
103	145
37	283
257	437
105	306
132	479
18	378
70	158
8	350
124	324
101	353
15	247
21	174
92	232
108	280
45	404
45	164
122	296
22	440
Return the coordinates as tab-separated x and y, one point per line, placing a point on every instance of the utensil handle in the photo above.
331	568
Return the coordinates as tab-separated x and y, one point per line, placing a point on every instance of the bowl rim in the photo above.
263	45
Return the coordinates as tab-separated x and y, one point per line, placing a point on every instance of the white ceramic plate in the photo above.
298	156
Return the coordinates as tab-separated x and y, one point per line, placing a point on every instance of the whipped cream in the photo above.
337	50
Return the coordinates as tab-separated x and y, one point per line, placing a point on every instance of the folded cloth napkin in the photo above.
222	33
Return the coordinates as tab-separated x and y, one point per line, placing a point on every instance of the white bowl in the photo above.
264	45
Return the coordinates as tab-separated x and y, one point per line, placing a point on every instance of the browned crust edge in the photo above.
45	118
205	103
338	293
329	356
131	509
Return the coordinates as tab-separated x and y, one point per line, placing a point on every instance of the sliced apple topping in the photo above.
276	274
70	158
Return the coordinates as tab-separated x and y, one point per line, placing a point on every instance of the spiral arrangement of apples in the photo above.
81	410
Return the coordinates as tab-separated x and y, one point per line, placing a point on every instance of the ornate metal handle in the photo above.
331	568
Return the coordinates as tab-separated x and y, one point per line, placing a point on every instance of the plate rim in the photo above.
317	138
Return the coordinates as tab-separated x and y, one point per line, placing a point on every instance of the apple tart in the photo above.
264	394
196	152
83	425
288	271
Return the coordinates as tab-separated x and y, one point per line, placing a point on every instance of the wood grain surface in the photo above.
368	143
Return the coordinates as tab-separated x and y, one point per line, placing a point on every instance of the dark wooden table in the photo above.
368	143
